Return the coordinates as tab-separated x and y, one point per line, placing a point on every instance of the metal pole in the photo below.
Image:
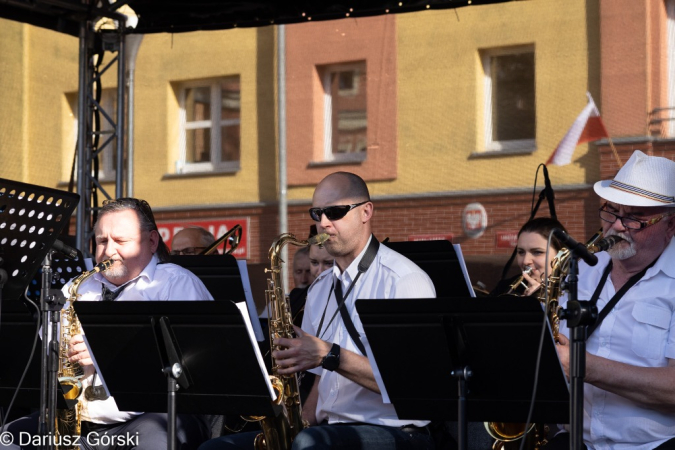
119	173
133	42
283	182
82	216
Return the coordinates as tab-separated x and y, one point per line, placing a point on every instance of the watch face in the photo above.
331	362
332	359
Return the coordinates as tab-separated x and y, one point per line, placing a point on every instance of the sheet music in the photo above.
460	257
252	310
261	363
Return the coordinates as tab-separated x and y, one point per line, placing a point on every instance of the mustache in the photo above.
625	236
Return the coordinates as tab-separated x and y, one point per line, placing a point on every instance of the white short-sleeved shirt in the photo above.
390	276
640	331
156	282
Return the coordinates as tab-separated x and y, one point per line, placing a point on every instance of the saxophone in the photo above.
505	433
70	374
278	432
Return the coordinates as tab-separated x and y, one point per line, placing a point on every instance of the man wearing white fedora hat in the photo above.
629	392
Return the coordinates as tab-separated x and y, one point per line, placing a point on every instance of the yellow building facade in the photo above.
430	93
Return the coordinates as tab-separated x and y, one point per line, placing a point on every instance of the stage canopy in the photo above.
175	16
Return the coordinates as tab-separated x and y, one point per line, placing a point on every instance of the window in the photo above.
510	116
345	118
210	126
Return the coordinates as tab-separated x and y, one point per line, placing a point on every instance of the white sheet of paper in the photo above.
458	250
247	321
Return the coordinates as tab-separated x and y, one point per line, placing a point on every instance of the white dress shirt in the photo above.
390	276
156	282
640	331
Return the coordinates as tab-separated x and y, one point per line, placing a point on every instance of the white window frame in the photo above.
215	164
515	145
326	71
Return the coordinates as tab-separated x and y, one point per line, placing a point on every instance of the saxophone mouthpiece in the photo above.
606	243
319	239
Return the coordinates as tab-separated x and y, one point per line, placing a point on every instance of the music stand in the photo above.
210	339
17	333
220	275
31	218
440	261
493	342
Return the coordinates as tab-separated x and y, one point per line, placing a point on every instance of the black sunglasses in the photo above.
336	212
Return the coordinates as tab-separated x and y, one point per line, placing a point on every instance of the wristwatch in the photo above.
332	360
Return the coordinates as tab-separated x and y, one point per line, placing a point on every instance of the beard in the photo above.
116	271
622	250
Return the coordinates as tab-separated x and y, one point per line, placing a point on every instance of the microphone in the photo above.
579	249
65	249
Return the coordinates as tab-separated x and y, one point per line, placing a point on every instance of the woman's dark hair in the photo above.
543	227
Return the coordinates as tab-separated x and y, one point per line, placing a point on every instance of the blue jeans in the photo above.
338	436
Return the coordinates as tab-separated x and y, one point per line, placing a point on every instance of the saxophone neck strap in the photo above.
615	299
363	267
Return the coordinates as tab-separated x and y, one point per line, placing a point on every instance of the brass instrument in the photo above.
278	432
232	237
520	281
504	433
70	374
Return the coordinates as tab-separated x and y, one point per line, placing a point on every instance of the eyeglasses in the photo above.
134	203
336	212
630	222
189	251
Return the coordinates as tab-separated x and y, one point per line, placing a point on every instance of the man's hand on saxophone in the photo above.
78	352
301	353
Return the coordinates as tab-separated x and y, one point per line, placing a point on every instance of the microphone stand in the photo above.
579	314
51	303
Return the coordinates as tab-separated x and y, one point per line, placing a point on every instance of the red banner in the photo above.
217	227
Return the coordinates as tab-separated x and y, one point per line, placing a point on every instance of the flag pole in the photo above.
616	154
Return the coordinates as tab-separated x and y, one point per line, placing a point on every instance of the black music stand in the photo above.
208	339
489	346
31	218
219	274
440	261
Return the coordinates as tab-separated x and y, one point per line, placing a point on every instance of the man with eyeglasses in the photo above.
126	232
191	241
630	361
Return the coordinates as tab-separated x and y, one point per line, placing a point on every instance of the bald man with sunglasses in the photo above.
345	405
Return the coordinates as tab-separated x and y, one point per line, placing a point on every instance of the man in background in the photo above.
191	241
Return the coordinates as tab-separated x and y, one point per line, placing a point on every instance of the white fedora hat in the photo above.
642	181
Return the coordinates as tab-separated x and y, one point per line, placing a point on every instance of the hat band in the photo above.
641	192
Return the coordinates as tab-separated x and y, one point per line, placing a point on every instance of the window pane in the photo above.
229	143
198	103
349	117
198	145
513	107
230	102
